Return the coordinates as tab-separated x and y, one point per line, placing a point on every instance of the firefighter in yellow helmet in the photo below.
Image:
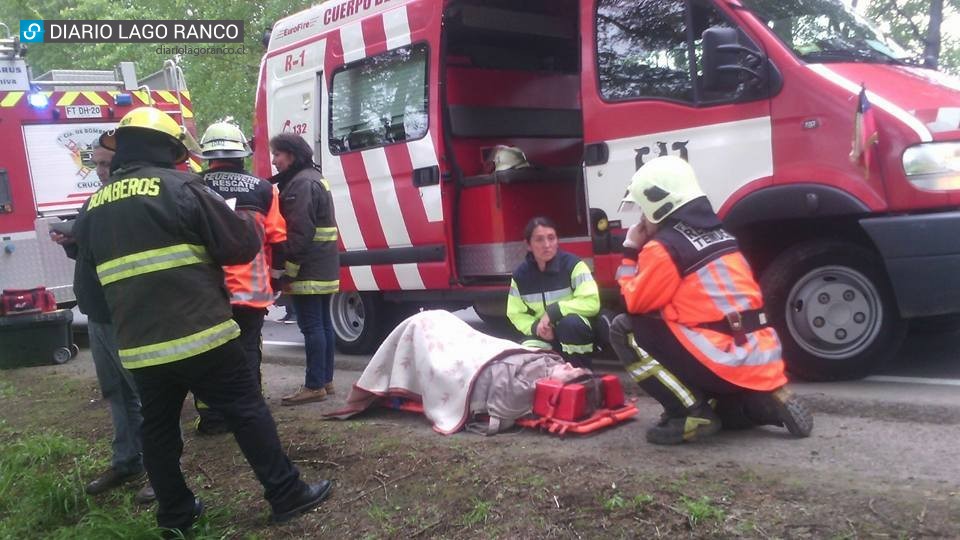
695	327
157	238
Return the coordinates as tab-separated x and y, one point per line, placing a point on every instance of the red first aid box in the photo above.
555	399
612	391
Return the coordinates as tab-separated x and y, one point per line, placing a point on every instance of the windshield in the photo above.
826	31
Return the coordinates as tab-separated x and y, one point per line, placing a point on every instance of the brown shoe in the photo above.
304	395
330	389
112	478
146	495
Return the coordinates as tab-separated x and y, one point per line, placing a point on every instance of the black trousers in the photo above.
218	378
250	320
674	377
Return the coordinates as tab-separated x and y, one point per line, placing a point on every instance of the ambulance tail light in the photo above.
933	166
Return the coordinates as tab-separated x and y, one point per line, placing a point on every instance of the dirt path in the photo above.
855	477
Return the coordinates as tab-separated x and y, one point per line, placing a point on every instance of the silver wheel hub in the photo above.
834	312
347	312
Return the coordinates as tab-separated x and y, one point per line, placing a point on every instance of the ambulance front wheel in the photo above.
834	310
359	320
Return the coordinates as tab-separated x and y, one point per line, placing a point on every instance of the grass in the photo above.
41	494
701	510
478	513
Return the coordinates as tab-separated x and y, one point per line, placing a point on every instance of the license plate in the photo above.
83	111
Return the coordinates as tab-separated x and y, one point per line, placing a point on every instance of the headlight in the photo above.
933	166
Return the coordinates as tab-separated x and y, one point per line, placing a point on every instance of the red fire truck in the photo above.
404	101
48	124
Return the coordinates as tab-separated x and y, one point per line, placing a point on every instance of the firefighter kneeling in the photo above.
695	337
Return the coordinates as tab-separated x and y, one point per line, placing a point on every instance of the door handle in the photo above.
426	176
596	154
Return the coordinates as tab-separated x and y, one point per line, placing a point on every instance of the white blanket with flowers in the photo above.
435	357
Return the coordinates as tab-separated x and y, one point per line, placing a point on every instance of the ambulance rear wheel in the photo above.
833	309
358	321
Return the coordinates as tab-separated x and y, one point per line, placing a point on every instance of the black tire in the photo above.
833	307
62	355
360	321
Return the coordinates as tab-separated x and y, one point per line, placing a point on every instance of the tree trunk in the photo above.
931	49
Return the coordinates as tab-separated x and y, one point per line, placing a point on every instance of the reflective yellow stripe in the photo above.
178	349
291	268
325	234
167	96
313	287
67	99
648	366
536	344
187	113
185	93
94	98
11	99
576	349
144	97
194	166
151	261
325	183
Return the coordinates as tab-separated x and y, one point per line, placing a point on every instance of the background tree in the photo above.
919	26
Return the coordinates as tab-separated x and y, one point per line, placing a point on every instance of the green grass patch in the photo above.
701	510
41	494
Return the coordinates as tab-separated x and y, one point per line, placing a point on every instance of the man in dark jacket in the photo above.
116	383
157	239
313	261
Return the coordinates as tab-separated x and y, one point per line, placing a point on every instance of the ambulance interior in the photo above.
512	79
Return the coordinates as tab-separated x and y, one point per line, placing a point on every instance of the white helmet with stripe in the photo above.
661	186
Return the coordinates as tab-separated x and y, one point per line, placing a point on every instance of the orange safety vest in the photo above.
249	284
706	294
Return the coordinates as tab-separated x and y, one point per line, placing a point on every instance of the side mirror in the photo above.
726	61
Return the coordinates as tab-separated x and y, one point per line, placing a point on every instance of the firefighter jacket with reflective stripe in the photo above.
313	259
249	284
695	274
157	239
565	287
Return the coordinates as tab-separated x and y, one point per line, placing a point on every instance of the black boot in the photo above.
700	421
780	408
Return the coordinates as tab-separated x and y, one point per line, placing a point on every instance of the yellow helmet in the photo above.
662	186
156	120
224	139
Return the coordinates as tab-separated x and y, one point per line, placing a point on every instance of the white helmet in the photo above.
504	158
224	139
662	186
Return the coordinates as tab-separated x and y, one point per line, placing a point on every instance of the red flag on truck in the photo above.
864	132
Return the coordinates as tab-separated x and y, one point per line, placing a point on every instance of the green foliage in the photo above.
41	495
614	502
477	514
907	22
700	510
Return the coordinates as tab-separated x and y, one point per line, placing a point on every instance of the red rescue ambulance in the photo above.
406	100
48	125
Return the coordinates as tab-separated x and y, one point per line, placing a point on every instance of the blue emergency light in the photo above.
38	100
123	99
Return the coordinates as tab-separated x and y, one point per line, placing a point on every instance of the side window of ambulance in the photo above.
642	50
380	100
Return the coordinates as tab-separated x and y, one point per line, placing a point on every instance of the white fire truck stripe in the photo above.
408	276
363	278
351	37
422	154
347	223
385	197
396	27
911	121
